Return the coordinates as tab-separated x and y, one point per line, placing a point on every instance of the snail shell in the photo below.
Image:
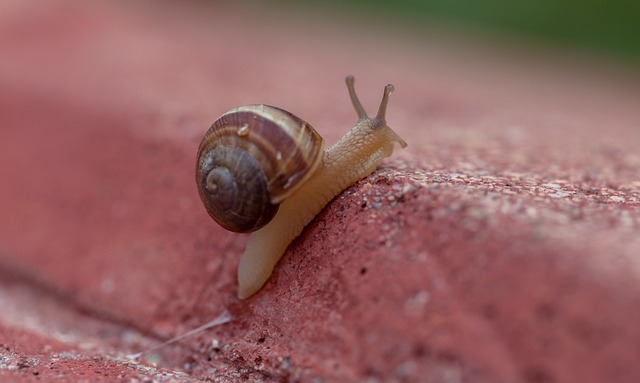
251	159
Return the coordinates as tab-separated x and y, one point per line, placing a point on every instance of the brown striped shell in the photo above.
250	160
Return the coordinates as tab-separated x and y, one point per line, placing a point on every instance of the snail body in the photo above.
300	195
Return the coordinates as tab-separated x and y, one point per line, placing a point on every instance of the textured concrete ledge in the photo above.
501	246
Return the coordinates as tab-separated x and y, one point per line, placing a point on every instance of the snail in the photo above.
263	170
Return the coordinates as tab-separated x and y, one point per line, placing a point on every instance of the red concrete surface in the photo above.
501	246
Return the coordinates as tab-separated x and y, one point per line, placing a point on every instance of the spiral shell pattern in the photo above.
251	159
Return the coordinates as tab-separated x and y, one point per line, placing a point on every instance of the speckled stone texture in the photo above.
501	246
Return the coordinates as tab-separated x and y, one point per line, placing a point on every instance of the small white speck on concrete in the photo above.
559	194
616	198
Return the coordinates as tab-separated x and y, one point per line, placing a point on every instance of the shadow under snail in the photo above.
263	170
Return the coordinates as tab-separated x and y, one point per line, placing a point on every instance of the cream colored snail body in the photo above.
261	169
